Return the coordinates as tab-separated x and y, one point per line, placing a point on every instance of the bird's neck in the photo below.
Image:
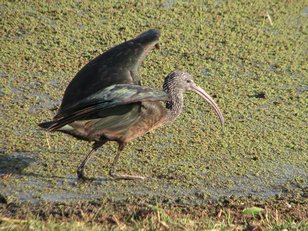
175	105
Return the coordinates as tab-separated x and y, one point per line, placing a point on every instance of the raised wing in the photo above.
109	97
118	65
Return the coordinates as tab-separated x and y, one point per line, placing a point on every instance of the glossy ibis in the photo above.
105	101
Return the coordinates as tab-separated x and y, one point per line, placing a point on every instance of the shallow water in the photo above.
255	71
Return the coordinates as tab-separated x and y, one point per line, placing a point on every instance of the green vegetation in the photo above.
251	57
98	216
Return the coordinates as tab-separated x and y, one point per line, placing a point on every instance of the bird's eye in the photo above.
188	81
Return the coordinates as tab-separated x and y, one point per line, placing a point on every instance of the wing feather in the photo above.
110	97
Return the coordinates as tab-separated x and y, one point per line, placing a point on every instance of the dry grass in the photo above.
153	217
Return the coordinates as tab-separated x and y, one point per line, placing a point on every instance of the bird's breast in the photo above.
152	116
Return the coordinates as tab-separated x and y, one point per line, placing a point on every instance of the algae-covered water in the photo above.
251	57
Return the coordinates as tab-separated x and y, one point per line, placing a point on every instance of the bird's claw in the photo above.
127	177
81	176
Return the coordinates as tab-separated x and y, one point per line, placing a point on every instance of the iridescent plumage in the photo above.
105	101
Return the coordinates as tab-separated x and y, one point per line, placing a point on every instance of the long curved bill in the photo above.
210	100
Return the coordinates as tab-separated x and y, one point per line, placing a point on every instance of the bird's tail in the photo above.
46	125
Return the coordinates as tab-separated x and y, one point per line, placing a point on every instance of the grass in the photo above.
16	224
160	219
100	216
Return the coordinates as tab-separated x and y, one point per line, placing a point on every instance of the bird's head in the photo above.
181	81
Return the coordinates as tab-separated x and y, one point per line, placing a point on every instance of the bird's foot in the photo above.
84	179
81	176
126	177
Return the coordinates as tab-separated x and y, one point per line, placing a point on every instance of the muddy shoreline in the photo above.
289	206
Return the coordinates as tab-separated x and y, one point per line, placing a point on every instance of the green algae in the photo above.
254	70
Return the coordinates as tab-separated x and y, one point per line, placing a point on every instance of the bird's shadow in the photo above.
15	164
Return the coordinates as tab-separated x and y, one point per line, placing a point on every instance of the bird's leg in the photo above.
80	169
121	177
